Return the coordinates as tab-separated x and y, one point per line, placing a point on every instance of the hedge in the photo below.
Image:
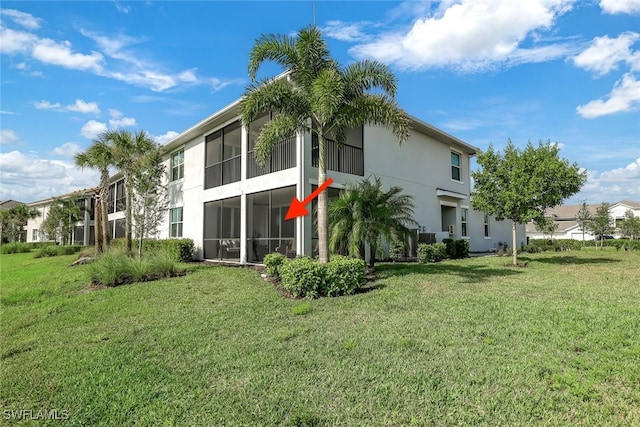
180	249
306	277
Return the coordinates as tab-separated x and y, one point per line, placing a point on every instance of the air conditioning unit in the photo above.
452	229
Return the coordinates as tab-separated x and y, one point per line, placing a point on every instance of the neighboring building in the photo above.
234	210
8	204
568	228
83	232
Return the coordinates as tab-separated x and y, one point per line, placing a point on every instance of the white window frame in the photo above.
487	226
177	166
178	223
464	221
459	166
35	235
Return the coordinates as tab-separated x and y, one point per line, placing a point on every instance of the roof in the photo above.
231	112
83	192
628	203
8	204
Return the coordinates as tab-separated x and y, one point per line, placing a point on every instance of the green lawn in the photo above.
467	342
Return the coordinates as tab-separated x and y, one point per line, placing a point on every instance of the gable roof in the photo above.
8	204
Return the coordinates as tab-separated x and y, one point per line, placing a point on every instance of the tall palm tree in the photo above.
99	156
129	150
319	96
366	214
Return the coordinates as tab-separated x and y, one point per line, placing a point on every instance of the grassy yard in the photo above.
467	342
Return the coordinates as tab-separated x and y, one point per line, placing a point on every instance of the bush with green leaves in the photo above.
51	250
396	250
272	262
114	267
344	276
457	249
15	248
434	252
306	277
544	245
180	249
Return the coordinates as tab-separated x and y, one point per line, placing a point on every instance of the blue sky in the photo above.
482	70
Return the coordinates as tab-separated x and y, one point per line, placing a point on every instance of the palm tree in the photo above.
366	214
319	96
128	150
99	156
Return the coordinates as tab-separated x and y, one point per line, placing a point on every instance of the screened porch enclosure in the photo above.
222	229
267	230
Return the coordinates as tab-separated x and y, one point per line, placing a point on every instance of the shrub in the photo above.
344	276
543	245
16	248
273	261
303	277
396	250
433	252
49	251
180	249
113	268
306	277
456	248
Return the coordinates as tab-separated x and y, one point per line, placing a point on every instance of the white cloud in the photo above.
22	18
80	106
122	122
128	66
344	31
162	139
92	129
625	96
67	149
122	8
46	105
8	136
631	7
612	185
28	178
471	35
604	54
115	114
14	42
60	53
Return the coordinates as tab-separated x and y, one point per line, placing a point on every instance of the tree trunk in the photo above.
515	244
127	216
97	236
104	204
323	232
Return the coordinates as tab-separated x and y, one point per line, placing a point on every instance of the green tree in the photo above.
318	96
630	226
101	157
128	151
521	184
583	218
366	214
13	221
602	222
546	225
60	221
150	198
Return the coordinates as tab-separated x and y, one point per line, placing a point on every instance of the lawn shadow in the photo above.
569	260
471	273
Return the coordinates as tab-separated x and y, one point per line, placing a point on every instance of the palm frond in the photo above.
282	127
363	76
376	109
327	95
278	48
279	95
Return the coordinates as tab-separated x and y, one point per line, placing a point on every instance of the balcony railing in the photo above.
346	159
283	156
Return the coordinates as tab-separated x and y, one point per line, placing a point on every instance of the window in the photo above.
34	236
175	228
455	166
487	231
177	165
117	198
464	213
222	157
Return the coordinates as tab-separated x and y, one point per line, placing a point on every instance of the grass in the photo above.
466	342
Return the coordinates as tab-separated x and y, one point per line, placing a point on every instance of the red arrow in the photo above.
297	208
